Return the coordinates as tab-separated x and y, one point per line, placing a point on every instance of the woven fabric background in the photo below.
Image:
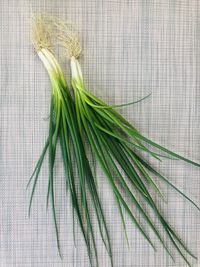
131	48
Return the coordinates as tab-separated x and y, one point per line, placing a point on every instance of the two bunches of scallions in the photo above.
76	117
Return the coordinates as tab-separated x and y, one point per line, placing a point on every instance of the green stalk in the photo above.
113	139
63	126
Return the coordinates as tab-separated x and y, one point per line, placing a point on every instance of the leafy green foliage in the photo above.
116	145
63	126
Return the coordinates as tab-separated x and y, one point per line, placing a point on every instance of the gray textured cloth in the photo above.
131	48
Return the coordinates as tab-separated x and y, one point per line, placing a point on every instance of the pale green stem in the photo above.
76	72
52	66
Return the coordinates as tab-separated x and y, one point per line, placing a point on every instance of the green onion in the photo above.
117	144
63	126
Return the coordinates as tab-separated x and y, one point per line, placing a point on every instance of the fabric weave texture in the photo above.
131	48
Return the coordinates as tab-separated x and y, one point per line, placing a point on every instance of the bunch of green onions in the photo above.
78	117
